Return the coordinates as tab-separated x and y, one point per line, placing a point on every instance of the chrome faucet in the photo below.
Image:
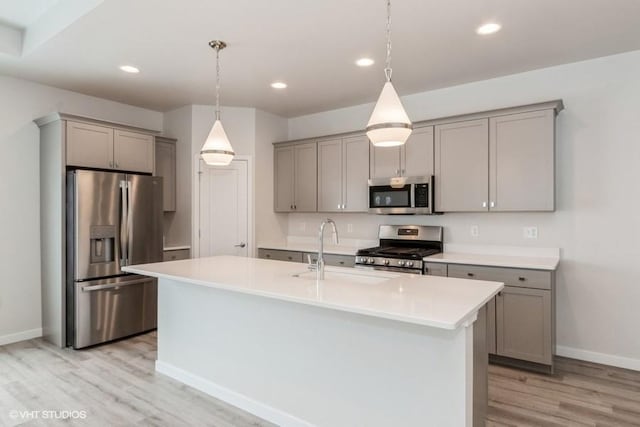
320	263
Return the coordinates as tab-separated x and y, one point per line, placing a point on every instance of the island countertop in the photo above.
438	302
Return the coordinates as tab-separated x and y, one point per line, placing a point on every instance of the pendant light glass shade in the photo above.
389	124
217	150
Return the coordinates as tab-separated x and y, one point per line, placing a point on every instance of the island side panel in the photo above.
295	364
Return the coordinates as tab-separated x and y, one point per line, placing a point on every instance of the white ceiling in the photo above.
312	45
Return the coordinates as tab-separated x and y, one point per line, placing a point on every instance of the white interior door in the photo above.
224	213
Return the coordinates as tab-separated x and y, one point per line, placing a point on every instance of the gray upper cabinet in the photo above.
89	145
355	172
133	151
295	174
417	153
103	147
343	170
166	168
462	166
284	171
414	158
306	176
330	176
521	160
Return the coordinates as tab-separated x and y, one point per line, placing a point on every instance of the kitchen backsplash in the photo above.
506	229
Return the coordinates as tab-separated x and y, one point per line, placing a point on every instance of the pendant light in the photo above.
217	150
389	124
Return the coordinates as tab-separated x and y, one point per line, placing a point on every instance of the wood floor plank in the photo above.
117	385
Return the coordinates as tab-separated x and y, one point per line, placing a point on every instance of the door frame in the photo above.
195	205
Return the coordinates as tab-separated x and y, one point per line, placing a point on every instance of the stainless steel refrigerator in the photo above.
113	220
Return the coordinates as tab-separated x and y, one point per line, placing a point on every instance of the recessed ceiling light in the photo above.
278	85
488	28
364	62
129	69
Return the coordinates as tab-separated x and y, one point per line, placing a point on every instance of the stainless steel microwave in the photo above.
401	195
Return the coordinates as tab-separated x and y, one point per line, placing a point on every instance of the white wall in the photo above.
20	104
251	133
177	225
270	226
596	223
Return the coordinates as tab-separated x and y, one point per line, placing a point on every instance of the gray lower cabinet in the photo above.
520	321
523	324
280	255
176	254
295	256
332	259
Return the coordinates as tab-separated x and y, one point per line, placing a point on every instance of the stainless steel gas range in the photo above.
402	248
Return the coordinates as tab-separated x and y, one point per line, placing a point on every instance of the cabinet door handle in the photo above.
402	172
492	204
484	204
522	279
397	172
291	207
110	164
339	206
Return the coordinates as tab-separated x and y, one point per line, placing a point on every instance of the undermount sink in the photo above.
345	277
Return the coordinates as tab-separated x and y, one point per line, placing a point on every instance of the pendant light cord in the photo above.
217	83
387	70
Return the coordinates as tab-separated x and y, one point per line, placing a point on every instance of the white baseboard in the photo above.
231	397
602	358
20	336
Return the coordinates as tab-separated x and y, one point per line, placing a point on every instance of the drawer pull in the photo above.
289	258
522	279
470	274
341	262
268	255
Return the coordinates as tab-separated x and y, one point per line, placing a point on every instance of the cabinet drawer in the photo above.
518	277
435	269
280	255
176	255
331	259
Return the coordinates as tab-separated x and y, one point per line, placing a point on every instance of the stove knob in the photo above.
372	261
409	264
401	263
386	262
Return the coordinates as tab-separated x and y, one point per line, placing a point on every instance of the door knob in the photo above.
241	245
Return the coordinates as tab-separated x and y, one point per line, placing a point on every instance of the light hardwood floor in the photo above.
116	385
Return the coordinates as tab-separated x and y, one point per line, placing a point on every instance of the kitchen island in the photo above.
359	348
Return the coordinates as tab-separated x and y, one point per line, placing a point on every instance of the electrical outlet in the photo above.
349	228
530	232
475	231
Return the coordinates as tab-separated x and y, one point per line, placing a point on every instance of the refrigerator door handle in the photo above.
124	219
115	285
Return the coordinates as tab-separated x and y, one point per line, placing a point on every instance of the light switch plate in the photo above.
475	231
530	232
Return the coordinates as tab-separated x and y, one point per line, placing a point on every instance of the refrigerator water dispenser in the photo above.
102	245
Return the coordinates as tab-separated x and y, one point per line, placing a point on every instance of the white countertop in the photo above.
528	262
438	302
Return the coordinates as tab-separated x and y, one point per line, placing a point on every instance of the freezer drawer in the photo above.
113	308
